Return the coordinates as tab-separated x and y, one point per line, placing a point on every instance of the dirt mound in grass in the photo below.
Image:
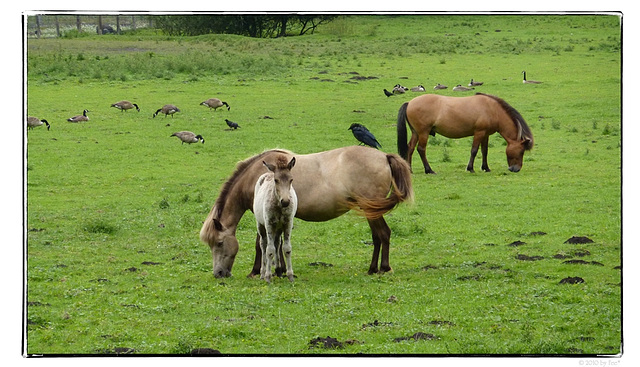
579	240
327	343
204	351
572	280
417	336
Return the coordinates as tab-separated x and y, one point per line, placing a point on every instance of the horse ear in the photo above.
270	167
218	226
292	163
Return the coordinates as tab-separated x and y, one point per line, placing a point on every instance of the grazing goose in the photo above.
387	93
167	109
231	124
460	88
398	89
475	84
35	122
215	103
125	105
188	137
440	86
79	118
363	135
419	88
525	81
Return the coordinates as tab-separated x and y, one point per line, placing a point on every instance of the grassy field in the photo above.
115	205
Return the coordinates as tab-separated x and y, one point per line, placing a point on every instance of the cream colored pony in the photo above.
274	205
328	184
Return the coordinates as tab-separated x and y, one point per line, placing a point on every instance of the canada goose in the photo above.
460	88
440	86
387	93
215	103
167	109
398	89
188	137
475	84
419	88
125	105
401	86
525	81
35	122
231	124
79	118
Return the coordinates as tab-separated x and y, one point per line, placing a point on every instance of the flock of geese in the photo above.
168	110
360	132
399	89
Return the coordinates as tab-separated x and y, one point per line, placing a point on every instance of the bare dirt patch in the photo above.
417	336
579	240
572	280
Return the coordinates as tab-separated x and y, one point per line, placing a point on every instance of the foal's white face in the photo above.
282	179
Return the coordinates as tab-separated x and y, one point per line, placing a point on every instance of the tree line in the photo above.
252	25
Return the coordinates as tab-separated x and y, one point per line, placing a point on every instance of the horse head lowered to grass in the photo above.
457	117
328	184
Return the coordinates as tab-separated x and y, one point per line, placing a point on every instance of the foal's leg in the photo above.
286	248
278	260
381	235
270	254
262	237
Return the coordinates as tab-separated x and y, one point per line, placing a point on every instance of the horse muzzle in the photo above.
222	273
515	168
285	203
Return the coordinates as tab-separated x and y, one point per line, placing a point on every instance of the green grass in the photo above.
114	206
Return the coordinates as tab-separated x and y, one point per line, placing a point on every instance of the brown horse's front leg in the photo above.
257	262
381	235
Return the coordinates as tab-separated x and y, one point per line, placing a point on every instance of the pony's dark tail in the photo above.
403	147
401	190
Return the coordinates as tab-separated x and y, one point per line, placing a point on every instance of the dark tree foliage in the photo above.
252	25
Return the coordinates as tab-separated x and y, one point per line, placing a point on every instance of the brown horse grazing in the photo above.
457	117
328	184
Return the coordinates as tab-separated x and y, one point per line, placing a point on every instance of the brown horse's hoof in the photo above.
252	275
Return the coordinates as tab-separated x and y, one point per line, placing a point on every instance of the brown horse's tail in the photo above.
403	148
401	190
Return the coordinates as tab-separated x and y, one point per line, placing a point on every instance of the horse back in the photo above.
454	117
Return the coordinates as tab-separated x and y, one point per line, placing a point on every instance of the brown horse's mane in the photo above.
524	132
241	167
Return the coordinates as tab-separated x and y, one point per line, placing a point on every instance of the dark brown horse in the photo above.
457	117
328	184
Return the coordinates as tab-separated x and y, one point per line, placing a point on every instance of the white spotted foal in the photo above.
274	205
